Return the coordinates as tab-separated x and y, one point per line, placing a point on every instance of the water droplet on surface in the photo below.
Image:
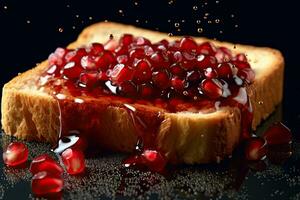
206	14
217	2
198	21
169	20
170	2
111	36
217	21
136	3
73	27
5	7
121	12
77	16
183	21
90	18
234	46
232	15
60	30
200	30
221	32
195	7
178	29
146	21
137	21
260	102
236	26
170	34
28	21
177	25
106	21
68	6
209	21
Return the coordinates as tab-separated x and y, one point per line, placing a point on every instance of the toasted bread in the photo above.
184	137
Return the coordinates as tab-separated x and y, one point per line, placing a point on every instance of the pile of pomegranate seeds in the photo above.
137	68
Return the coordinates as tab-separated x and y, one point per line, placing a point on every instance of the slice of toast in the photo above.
184	137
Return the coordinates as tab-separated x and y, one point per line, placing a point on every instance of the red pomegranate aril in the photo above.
224	70
278	134
121	73
212	88
74	161
103	76
111	45
142	71
43	184
76	55
55	70
241	57
158	60
246	74
105	61
126	39
89	79
142	41
255	149
127	88
89	62
148	50
123	59
206	48
241	64
177	70
210	73
96	49
188	44
177	57
178	84
161	79
204	61
223	55
72	70
137	53
146	90
45	163
193	76
16	153
164	42
154	160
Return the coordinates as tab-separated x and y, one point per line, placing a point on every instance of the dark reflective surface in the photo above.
106	178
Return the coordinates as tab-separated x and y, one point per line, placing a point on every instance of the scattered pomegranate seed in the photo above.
154	160
74	161
16	153
255	149
43	184
45	163
278	133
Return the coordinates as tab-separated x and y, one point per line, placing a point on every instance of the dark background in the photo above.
30	30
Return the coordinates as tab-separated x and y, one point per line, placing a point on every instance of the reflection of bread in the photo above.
186	137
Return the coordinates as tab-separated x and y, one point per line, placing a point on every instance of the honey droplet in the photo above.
200	30
260	102
177	25
195	7
60	30
217	21
111	36
234	46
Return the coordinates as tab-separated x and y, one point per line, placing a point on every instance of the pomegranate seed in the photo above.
188	44
16	153
89	62
241	64
177	56
158	60
121	73
241	57
123	59
210	73
43	184
105	61
142	41
57	58
255	149
102	76
45	163
148	50
89	79
278	133
96	49
223	55
71	70
127	88
74	161
176	70
193	76
178	84
204	61
161	79
126	39
206	48
111	45
224	70
154	160
76	55
212	88
143	71
54	69
137	53
146	90
246	74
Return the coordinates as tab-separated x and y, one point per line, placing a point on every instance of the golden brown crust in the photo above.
184	137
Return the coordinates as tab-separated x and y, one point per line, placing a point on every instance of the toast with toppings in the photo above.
184	135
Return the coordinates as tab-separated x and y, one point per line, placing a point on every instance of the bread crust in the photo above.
184	137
